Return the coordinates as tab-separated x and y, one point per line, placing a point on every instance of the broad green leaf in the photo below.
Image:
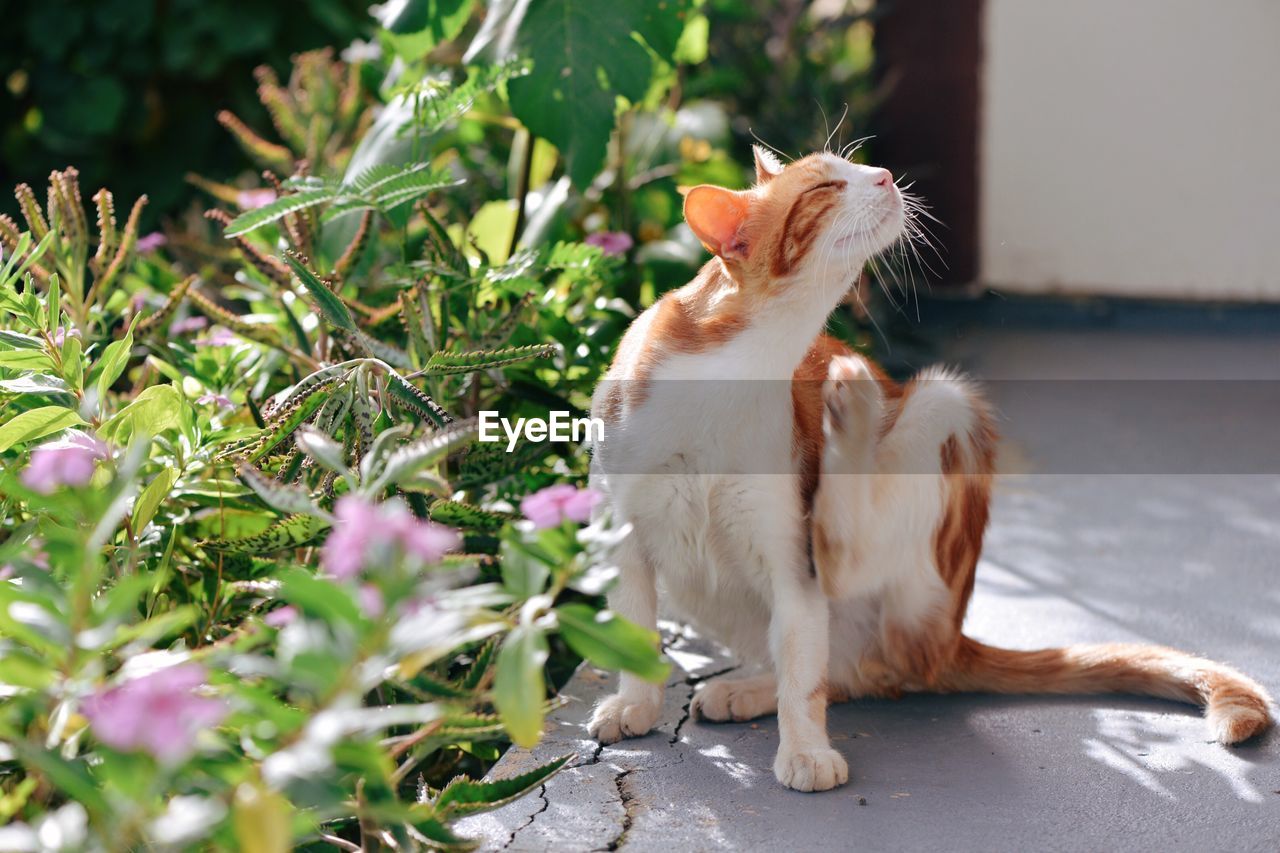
17	340
36	423
330	305
25	359
155	410
416	26
441	837
582	61
523	573
41	384
611	642
319	597
149	501
463	796
72	363
519	690
114	360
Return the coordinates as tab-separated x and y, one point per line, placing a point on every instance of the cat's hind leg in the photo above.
727	699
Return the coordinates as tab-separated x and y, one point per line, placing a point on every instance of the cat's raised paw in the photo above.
811	769
618	717
853	398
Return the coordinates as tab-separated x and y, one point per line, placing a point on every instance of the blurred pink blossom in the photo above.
371	601
219	399
148	243
160	713
251	199
187	325
219	337
281	616
68	461
550	506
360	527
612	242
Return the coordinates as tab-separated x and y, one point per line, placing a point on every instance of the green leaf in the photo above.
524	574
36	423
278	209
412	458
330	305
149	501
319	597
444	363
611	642
416	26
155	410
408	397
468	517
463	796
282	496
321	448
519	690
284	422
582	60
41	384
25	359
17	340
292	532
441	837
114	360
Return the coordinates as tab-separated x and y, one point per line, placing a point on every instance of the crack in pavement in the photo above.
626	799
546	804
693	681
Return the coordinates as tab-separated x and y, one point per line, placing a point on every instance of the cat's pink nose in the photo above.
884	178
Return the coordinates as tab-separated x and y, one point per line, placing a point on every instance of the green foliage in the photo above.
128	89
582	62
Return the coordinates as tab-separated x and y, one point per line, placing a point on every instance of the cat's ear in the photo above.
768	166
716	216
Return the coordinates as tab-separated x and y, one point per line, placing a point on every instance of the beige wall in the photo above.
1132	147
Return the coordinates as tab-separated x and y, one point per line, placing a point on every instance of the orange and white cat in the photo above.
820	520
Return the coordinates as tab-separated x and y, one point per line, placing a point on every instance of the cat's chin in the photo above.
871	241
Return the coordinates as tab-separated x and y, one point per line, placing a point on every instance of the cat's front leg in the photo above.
634	709
798	639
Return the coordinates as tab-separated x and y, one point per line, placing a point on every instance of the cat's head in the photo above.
816	219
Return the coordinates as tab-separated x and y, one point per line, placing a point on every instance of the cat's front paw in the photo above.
811	769
853	399
618	717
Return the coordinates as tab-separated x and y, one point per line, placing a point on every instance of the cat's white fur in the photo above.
706	476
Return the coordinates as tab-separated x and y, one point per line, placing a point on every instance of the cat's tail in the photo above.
1236	706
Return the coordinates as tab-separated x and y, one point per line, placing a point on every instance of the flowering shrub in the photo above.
259	584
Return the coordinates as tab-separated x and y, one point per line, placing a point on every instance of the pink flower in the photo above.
66	462
219	399
219	337
60	335
188	325
612	242
360	528
281	616
550	506
148	243
160	713
251	199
